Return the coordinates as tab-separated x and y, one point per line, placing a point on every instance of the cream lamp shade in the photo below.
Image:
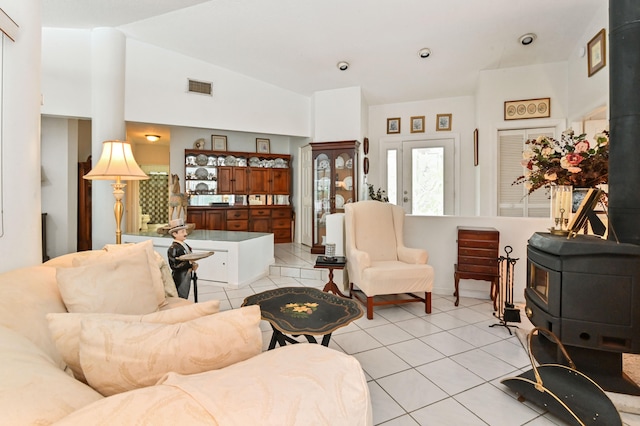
117	163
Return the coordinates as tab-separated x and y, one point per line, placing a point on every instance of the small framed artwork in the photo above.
262	146
597	52
365	146
528	108
219	143
417	124
393	125
443	122
475	147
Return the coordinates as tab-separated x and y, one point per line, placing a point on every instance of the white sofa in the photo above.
204	368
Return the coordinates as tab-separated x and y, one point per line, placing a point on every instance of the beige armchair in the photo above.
378	263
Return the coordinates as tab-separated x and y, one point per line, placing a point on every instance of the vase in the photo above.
561	208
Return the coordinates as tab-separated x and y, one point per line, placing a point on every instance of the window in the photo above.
513	200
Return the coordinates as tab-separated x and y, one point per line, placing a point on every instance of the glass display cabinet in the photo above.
335	183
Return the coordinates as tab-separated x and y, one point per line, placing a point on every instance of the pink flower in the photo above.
527	163
582	146
574	159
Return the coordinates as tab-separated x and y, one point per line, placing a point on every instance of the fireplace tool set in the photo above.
507	312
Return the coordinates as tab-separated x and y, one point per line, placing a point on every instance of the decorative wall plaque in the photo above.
528	108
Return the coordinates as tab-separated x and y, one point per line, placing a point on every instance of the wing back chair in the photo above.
378	263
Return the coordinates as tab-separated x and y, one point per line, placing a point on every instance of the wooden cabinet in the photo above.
220	186
478	259
232	180
335	183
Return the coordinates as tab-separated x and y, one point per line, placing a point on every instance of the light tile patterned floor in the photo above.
438	369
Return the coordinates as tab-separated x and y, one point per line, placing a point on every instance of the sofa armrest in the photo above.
412	255
357	262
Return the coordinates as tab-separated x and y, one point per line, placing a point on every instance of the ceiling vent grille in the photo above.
201	87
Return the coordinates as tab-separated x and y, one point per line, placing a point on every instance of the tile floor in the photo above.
438	369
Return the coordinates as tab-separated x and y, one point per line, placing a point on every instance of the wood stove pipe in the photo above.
624	121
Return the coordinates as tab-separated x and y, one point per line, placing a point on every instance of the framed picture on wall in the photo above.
262	146
475	147
218	143
443	122
393	125
597	52
417	124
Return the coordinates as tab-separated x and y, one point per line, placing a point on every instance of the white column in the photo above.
108	51
20	237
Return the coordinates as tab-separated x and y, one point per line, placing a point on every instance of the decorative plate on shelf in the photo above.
202	187
202	160
279	163
339	163
339	201
350	163
323	164
202	173
199	144
254	162
348	183
230	161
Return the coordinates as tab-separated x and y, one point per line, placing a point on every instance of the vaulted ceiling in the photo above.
296	44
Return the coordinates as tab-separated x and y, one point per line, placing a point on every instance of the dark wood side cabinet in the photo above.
478	259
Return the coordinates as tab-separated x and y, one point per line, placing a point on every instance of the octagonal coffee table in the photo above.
303	311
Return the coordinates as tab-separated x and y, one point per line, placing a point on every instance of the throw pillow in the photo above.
118	356
114	286
65	328
117	252
165	272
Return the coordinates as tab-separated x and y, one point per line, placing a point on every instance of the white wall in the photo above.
156	92
66	72
20	240
494	88
588	93
462	125
337	115
60	184
438	235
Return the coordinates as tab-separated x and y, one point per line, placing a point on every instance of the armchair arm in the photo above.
358	261
412	255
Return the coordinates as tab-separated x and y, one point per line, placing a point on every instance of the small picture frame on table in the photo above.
417	124
443	122
393	125
262	146
218	143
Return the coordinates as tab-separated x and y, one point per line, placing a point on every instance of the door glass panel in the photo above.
321	196
427	181
392	175
343	181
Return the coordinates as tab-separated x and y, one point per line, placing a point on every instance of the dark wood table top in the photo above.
304	310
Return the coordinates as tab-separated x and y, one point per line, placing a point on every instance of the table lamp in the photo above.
117	163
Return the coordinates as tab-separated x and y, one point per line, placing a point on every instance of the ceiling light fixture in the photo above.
424	53
152	138
527	39
343	65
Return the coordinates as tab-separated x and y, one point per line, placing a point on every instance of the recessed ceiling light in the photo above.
424	53
343	65
527	39
152	138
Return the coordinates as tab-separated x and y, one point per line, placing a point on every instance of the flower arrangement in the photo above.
379	195
571	161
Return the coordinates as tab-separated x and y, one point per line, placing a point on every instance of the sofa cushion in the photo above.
33	390
117	356
65	328
120	286
118	252
291	385
165	272
27	295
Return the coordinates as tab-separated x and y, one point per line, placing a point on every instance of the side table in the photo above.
478	259
303	311
331	263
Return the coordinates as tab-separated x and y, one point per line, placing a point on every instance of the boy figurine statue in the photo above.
180	269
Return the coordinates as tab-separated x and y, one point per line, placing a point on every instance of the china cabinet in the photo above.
239	191
335	183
